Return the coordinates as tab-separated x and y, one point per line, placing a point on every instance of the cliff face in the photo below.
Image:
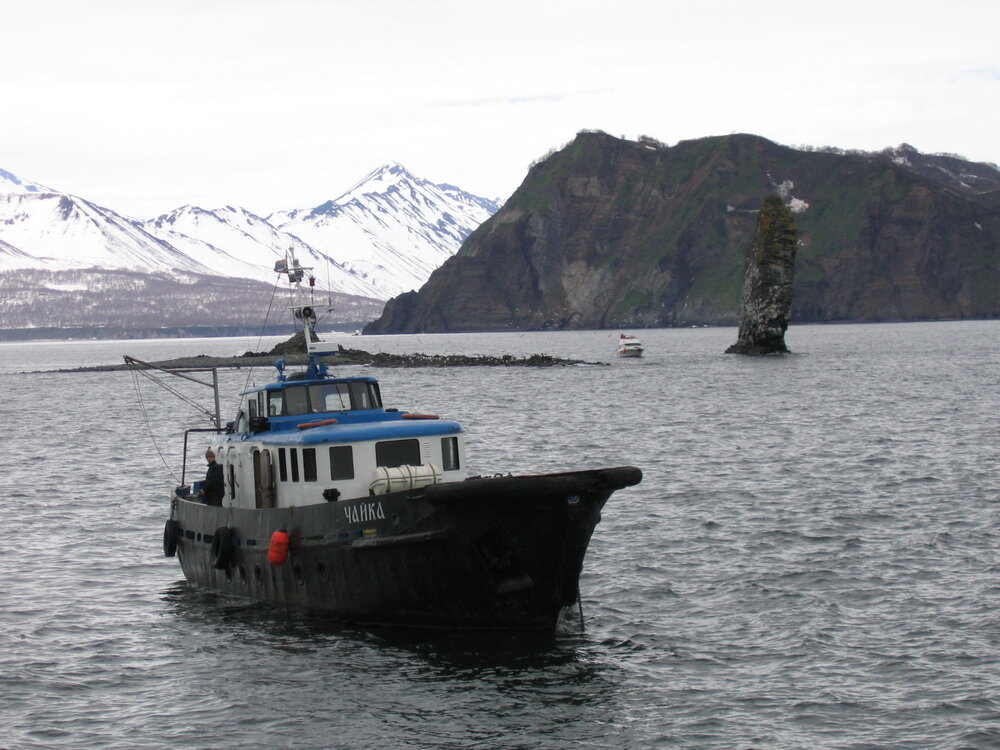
610	233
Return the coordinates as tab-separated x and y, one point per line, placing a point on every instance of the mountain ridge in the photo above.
390	234
609	233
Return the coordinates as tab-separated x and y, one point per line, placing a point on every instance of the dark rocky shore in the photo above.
292	351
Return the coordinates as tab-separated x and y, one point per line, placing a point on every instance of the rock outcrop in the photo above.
610	233
766	300
345	357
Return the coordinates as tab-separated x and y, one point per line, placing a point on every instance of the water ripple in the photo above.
810	561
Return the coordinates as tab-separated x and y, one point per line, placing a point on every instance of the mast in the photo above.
301	310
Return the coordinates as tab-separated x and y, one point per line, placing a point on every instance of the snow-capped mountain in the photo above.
382	237
54	232
10	183
235	242
392	228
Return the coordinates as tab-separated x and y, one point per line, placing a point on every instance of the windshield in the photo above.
330	397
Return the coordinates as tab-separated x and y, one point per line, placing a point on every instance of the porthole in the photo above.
322	573
243	575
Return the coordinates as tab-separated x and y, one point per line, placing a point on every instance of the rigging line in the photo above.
178	394
149	427
260	338
182	396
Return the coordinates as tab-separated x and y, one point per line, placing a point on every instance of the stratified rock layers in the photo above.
766	299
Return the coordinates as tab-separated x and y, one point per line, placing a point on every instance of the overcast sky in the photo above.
143	105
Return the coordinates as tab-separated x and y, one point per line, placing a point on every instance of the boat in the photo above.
629	346
339	506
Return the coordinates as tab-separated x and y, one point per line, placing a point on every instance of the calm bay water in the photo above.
811	560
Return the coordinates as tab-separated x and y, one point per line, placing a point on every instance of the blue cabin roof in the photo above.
312	408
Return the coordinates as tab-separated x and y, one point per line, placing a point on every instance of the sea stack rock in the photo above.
766	300
295	345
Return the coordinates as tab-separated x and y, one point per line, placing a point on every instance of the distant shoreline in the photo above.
94	333
26	335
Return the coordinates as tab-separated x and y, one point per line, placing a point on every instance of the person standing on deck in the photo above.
213	488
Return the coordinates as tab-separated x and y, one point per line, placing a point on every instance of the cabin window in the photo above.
341	462
232	481
293	461
282	466
360	396
398	452
252	407
275	403
297	401
309	464
449	453
330	397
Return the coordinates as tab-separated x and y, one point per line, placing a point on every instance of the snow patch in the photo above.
784	189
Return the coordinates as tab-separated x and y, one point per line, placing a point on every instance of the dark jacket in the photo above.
214	487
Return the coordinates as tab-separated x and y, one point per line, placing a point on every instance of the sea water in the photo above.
811	560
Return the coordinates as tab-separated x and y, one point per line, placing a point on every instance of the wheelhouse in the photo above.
278	400
318	439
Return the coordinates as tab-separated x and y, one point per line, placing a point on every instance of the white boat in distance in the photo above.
629	346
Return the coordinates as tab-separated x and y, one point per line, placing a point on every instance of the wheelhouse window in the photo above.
297	400
293	461
275	403
398	452
341	462
330	397
449	454
365	396
323	397
361	396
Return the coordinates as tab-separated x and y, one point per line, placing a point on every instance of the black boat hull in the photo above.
497	552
